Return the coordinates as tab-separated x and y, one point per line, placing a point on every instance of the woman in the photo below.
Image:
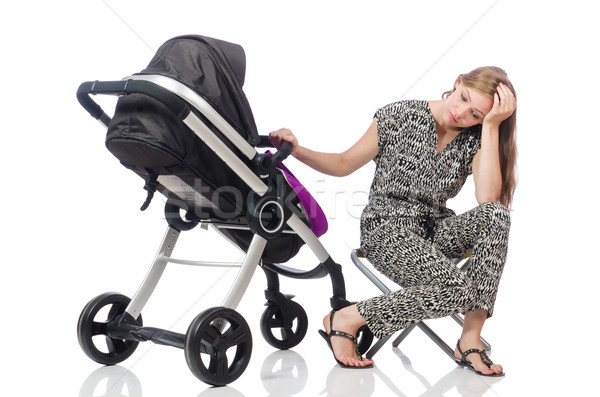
424	151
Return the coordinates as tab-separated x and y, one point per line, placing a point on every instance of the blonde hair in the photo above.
485	80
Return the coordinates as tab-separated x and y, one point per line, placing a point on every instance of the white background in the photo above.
72	228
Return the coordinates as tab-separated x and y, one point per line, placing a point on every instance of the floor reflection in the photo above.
116	381
467	383
224	391
361	382
350	382
285	373
113	381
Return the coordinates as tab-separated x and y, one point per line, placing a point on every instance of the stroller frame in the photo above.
215	330
257	244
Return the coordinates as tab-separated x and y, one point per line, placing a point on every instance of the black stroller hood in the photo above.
216	70
149	139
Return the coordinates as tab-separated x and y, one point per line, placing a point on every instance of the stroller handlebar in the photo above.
177	105
126	87
282	153
265	163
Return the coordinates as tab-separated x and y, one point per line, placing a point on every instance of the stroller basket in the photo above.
184	125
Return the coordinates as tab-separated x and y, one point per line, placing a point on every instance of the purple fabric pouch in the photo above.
318	220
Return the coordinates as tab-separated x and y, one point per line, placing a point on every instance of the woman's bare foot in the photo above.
465	343
346	320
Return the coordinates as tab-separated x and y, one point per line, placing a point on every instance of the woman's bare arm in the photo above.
335	164
486	163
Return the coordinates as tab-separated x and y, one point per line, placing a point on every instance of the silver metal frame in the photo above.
152	278
370	274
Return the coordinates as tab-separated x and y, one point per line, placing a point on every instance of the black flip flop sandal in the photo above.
484	357
333	332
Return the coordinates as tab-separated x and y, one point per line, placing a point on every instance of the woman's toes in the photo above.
364	362
482	368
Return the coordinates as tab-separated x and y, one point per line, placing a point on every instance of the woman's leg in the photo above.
432	286
471	339
346	320
482	231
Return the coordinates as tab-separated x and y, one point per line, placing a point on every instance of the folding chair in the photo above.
363	265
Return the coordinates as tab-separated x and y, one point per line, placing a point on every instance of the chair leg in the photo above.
403	335
367	272
429	332
438	341
378	345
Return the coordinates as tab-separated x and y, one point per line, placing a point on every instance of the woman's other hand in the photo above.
504	106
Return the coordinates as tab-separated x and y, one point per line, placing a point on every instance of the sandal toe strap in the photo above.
482	353
486	360
349	336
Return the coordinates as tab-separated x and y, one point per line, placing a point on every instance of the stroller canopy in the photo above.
216	70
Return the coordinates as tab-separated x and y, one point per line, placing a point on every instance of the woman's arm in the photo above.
335	164
486	163
486	167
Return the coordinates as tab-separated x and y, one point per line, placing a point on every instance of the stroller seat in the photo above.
184	125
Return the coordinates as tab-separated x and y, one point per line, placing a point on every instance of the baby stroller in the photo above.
185	127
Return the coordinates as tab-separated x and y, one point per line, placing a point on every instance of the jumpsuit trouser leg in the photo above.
432	286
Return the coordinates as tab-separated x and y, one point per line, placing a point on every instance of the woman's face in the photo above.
466	107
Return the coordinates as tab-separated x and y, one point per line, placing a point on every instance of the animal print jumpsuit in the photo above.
408	234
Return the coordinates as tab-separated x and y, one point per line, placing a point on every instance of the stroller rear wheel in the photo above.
209	342
292	323
89	326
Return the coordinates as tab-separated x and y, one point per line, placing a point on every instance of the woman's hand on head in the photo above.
504	106
283	134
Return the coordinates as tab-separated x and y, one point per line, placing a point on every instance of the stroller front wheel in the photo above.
92	326
218	346
291	322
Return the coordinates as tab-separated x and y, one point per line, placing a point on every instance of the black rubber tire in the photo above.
205	339
289	336
88	327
